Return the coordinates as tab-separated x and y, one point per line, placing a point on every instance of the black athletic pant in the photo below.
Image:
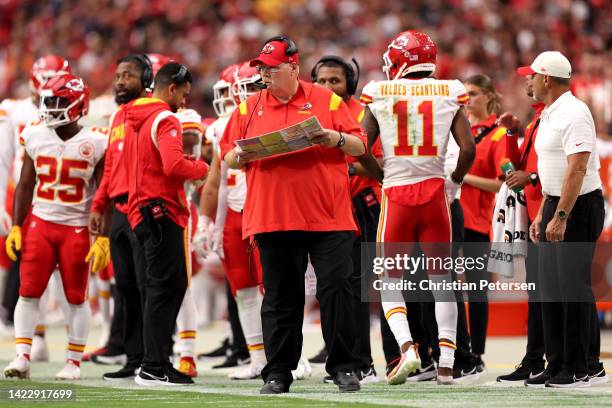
165	283
565	273
367	212
11	290
478	300
534	355
129	266
238	344
284	257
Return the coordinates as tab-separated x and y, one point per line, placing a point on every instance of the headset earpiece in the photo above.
147	71
291	46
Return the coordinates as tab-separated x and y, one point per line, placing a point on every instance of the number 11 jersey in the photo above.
414	118
65	182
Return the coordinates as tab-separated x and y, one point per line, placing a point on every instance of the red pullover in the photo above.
156	167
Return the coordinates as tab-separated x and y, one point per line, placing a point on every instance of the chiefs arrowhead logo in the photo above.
267	49
401	41
75	85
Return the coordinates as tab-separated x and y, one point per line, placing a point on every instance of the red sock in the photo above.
75	362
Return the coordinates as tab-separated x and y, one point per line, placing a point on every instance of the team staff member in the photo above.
298	204
478	198
525	160
132	78
341	78
158	213
572	211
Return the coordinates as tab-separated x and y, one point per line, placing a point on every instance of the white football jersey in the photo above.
414	118
65	183
17	113
235	178
100	111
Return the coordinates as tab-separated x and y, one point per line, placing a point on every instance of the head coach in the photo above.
158	213
298	204
572	211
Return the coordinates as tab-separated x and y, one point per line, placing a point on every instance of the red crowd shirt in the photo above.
114	179
360	183
528	162
307	190
157	168
477	204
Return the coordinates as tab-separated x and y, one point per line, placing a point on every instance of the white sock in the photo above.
26	315
186	322
249	310
78	329
104	299
397	317
446	317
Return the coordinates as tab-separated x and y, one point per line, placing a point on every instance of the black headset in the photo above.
146	78
352	75
291	49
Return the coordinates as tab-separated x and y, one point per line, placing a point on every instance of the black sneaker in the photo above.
234	360
125	373
220	351
481	368
427	372
538	381
521	374
368	376
274	387
162	377
320	358
465	374
109	357
347	381
597	374
566	379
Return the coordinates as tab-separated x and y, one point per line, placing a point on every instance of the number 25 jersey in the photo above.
414	118
65	182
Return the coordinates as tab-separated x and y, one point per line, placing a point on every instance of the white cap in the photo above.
551	63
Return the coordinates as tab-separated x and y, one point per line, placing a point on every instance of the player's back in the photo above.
18	112
414	117
65	182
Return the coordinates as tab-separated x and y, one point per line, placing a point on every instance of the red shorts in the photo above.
107	273
5	261
426	222
241	263
47	245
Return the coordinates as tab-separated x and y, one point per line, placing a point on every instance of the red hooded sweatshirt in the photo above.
154	160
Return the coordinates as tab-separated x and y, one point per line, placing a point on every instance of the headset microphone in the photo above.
259	84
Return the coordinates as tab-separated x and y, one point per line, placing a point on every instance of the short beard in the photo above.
128	97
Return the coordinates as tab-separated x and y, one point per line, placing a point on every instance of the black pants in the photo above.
11	290
534	355
571	331
129	266
478	299
284	257
165	283
238	344
367	211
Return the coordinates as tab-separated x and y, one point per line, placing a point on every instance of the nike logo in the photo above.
579	144
79	230
164	378
532	375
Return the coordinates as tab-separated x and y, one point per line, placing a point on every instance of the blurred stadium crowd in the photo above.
474	36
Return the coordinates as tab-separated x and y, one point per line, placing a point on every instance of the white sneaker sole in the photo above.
155	383
467	379
598	380
580	384
425	376
370	379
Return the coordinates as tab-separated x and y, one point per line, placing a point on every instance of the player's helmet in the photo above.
410	51
223	102
63	99
45	68
244	77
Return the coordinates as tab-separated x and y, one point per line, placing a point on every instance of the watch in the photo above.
533	178
562	214
341	141
351	169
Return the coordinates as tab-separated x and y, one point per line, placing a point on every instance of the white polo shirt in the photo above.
566	127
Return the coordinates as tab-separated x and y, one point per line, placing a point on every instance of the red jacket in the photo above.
156	167
306	190
114	181
529	163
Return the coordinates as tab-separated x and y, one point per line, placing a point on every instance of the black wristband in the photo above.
341	141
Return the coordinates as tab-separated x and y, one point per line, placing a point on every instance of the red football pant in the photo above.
241	263
47	245
426	222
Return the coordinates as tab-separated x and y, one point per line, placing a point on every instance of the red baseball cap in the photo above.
273	54
524	71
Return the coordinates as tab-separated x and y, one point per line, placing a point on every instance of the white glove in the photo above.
5	223
216	241
200	239
451	189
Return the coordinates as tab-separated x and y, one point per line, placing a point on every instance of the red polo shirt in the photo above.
477	204
306	190
114	179
359	183
528	160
